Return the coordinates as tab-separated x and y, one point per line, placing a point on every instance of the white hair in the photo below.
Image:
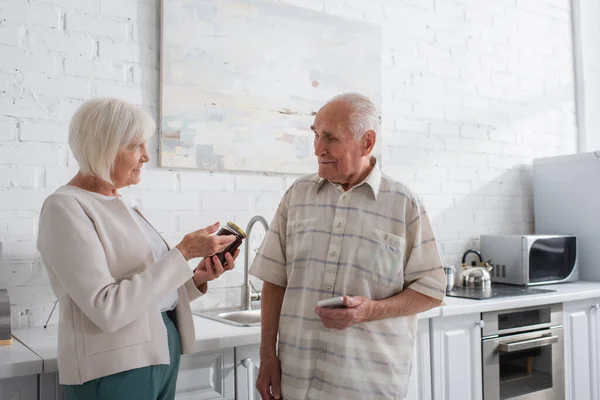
100	128
363	113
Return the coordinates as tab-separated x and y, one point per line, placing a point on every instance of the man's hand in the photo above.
211	268
358	310
268	382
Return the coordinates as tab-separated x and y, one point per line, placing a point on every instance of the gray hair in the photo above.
363	113
103	126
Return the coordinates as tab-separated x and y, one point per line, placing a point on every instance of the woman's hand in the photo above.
211	268
203	243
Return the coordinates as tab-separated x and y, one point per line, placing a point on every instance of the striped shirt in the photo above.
373	240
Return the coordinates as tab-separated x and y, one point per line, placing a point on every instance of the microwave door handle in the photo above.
527	344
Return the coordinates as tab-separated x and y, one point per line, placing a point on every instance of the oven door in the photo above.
527	366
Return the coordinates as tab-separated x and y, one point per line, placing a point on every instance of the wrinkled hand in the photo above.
268	382
358	310
202	243
211	268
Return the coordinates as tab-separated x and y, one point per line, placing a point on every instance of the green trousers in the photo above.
155	382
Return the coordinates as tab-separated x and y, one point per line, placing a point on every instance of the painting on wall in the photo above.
241	81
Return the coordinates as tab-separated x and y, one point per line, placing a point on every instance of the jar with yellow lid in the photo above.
231	229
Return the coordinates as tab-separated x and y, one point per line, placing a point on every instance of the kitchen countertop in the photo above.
18	360
565	292
213	335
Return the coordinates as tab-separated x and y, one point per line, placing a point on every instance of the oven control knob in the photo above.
480	324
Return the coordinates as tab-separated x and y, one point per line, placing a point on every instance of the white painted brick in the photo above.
155	179
22	228
30	294
203	181
97	69
25	106
17	177
458	218
444	158
96	25
474	131
163	221
289	181
42	14
118	50
39	274
44	132
3	230
10	35
395	155
30	154
456	187
56	177
266	202
468	174
225	200
68	86
23	250
7	128
441	128
431	173
257	182
134	10
62	110
22	199
15	273
172	201
187	222
124	91
16	59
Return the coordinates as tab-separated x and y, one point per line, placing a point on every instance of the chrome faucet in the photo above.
248	286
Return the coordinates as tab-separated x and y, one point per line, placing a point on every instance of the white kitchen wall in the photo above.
473	91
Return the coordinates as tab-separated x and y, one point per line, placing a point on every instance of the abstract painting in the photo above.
241	81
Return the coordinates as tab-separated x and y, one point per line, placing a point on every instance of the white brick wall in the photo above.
473	90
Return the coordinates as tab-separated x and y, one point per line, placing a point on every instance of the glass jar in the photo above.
231	229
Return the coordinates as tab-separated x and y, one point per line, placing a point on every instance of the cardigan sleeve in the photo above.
71	248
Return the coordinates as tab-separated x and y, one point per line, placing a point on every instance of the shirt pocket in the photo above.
380	257
300	234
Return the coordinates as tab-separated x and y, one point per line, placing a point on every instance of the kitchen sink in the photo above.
235	317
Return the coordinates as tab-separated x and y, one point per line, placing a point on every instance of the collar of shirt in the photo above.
373	180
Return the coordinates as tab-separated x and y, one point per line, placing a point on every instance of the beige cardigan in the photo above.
109	287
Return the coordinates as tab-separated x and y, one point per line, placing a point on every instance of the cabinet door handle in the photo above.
247	363
480	324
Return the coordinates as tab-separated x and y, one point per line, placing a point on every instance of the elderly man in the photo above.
346	231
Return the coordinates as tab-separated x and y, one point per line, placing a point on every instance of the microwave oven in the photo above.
531	259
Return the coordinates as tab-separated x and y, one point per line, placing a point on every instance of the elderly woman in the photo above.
124	294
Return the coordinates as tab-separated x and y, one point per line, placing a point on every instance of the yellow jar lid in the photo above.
236	228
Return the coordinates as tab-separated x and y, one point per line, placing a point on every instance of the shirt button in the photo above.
328	287
339	225
334	253
344	197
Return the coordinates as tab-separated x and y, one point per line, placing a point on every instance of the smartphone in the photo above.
334	302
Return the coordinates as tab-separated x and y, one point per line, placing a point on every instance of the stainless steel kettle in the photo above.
473	276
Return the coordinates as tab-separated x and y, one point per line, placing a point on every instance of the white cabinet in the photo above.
19	388
419	386
247	363
50	389
456	357
581	327
204	376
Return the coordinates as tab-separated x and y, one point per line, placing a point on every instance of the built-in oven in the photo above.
522	351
